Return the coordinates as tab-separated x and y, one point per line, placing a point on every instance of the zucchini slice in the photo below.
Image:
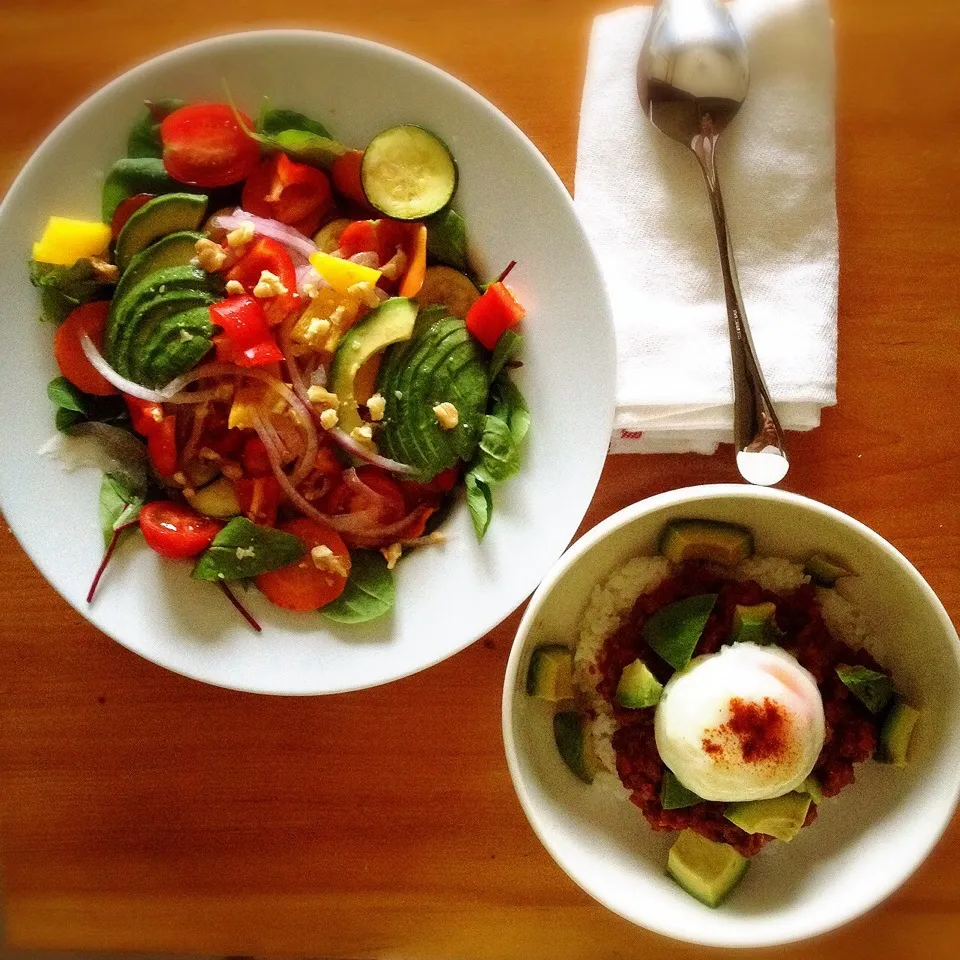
408	173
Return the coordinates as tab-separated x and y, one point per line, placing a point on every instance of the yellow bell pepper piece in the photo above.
248	401
342	274
66	241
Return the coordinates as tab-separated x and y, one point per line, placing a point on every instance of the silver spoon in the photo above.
692	77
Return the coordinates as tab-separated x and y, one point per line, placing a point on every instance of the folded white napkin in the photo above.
643	202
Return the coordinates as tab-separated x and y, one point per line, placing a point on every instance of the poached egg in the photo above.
745	723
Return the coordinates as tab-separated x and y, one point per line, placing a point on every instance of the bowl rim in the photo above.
252	37
895	879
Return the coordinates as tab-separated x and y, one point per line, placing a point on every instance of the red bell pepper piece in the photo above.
496	311
259	498
246	339
145	415
293	193
162	446
267	254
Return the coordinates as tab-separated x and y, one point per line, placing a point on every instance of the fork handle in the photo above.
756	427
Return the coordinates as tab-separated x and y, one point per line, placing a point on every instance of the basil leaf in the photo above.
244	549
273	121
480	503
144	139
66	396
120	504
63	289
510	406
507	349
447	239
498	459
134	175
369	592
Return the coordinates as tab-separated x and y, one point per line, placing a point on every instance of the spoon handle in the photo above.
756	428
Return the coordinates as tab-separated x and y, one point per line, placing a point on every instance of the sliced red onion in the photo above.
108	373
292	239
391	533
365	258
308	276
361	452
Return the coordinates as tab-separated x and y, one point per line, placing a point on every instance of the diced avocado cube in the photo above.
896	733
707	870
638	687
871	688
724	543
825	571
780	817
674	795
573	743
674	630
811	787
550	675
755	623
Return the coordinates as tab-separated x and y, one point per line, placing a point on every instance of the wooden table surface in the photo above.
143	811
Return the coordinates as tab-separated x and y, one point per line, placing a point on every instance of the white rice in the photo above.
613	598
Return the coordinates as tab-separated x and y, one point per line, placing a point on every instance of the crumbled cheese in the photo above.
328	419
207	454
364	434
211	256
241	236
244	552
268	285
376	405
235	288
398	394
365	292
179	478
185	335
322	396
104	270
338	314
392	554
317	328
279	407
310	290
446	414
326	561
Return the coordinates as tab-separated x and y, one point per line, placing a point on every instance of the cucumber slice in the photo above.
408	173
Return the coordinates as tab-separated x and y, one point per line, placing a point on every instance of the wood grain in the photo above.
143	811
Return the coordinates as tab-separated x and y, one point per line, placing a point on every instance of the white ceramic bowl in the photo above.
865	842
515	208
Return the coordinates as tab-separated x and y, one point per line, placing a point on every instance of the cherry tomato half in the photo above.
293	193
204	145
176	531
303	585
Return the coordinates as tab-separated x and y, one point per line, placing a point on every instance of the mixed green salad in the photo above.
276	349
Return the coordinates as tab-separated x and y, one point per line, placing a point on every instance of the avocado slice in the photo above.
896	733
173	250
824	570
175	345
573	744
674	795
706	870
550	675
391	322
674	630
638	687
755	623
780	817
725	543
169	213
872	688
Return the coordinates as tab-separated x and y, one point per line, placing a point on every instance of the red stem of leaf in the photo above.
506	273
239	606
108	553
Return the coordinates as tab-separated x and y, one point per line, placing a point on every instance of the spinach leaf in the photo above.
273	121
499	458
120	504
63	289
507	349
447	239
369	592
66	396
244	549
135	175
479	502
74	406
144	139
510	406
306	147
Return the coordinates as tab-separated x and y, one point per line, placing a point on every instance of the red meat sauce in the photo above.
851	731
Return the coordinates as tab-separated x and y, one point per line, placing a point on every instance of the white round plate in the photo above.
515	207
